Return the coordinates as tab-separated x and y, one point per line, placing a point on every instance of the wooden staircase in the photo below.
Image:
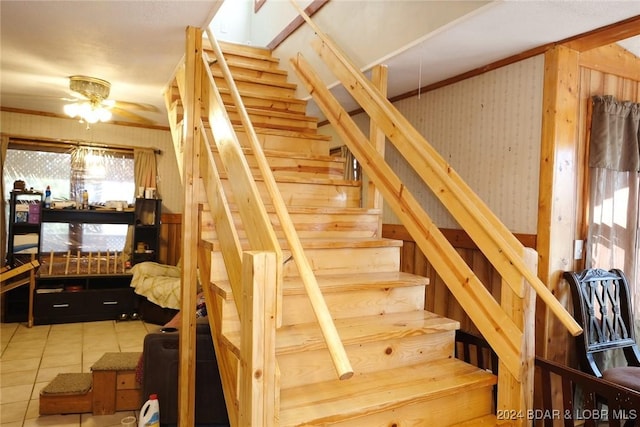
402	356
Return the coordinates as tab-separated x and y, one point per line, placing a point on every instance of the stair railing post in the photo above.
259	371
515	397
190	229
377	138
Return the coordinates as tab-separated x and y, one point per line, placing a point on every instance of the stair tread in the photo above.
314	210
233	62
329	243
285	132
272	113
358	330
263	82
340	282
307	180
336	400
245	50
256	94
294	155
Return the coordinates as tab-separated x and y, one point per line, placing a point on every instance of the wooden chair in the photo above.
602	306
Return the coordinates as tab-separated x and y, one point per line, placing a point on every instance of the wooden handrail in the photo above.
327	326
472	295
487	231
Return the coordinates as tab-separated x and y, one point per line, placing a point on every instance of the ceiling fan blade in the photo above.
132	116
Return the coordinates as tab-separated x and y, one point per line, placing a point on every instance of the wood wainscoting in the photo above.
170	238
438	298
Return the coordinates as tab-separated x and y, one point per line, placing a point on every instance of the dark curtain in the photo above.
614	165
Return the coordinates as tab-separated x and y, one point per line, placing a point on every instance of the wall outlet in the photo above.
578	246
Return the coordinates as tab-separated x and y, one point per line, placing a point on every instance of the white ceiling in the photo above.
136	45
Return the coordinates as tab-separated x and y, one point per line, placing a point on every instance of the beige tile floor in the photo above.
31	357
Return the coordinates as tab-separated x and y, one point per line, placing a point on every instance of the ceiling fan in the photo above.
93	104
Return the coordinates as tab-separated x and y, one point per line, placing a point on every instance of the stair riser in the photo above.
251	101
447	410
287	143
309	194
308	367
267	90
307	225
369	302
265	74
243	61
271	122
292	166
330	261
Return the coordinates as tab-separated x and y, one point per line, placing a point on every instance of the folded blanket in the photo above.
159	283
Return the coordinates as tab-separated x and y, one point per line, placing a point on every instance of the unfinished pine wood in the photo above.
487	231
253	71
227	362
284	140
259	387
310	223
612	59
276	120
303	192
514	395
441	381
379	309
223	219
556	216
189	277
339	357
376	136
470	292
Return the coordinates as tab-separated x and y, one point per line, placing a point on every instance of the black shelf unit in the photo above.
146	235
25	210
89	296
23	243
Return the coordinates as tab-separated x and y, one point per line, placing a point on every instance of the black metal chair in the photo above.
602	306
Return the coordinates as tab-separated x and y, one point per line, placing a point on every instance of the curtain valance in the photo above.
615	134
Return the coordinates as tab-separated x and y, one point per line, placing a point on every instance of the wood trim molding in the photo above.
582	43
612	59
310	10
457	238
604	35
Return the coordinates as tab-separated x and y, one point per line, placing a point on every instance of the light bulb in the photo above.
72	110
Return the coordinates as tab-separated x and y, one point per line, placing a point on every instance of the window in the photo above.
614	190
107	175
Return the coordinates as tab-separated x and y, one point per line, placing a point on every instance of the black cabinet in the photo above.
83	299
86	259
23	243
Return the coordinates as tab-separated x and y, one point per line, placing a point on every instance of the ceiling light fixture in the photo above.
96	107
